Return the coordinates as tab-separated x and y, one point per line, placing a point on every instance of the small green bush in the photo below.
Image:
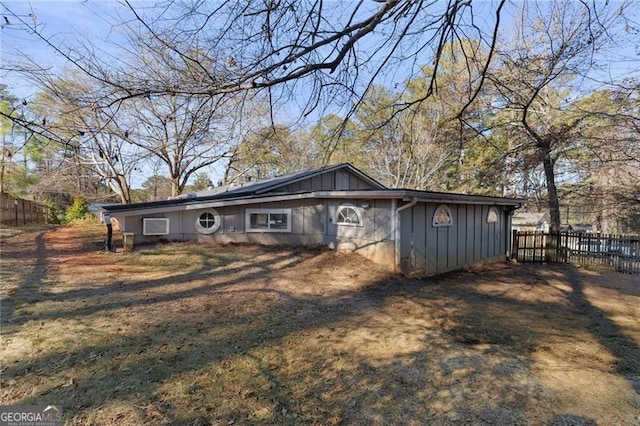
77	211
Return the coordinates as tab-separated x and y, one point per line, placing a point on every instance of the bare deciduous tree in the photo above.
93	134
539	73
185	132
328	53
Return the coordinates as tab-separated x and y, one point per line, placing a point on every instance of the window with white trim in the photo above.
268	220
208	222
348	215
442	216
492	216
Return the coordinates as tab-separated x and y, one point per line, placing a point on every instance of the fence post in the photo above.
548	243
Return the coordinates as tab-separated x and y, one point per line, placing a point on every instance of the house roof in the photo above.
247	189
272	184
529	218
266	191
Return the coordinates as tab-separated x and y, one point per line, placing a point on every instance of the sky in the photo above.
67	21
63	21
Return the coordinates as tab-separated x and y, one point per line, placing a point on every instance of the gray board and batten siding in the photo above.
338	180
428	250
395	226
307	215
313	222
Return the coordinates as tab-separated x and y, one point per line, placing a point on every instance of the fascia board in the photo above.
210	204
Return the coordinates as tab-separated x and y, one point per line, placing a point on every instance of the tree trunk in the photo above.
509	183
125	194
175	187
2	177
552	190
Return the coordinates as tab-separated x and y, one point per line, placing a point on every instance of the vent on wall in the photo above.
155	226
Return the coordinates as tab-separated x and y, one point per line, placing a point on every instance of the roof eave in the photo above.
406	195
195	204
422	196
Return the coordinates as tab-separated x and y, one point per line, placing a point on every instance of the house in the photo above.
97	209
530	221
415	232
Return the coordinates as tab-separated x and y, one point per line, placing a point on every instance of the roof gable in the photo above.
323	178
341	177
338	177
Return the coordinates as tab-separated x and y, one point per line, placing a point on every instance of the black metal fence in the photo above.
620	251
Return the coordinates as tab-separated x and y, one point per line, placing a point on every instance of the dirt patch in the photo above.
195	334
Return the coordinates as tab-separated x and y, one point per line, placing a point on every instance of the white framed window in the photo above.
442	216
208	222
492	216
348	215
268	220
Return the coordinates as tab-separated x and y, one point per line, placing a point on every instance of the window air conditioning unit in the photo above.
155	226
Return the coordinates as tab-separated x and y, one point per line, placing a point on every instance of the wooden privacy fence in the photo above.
621	252
18	212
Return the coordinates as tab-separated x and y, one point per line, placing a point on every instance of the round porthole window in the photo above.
208	222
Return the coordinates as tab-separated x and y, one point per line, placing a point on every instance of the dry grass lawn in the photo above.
194	334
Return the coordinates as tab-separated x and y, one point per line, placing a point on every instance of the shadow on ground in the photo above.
24	278
288	336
